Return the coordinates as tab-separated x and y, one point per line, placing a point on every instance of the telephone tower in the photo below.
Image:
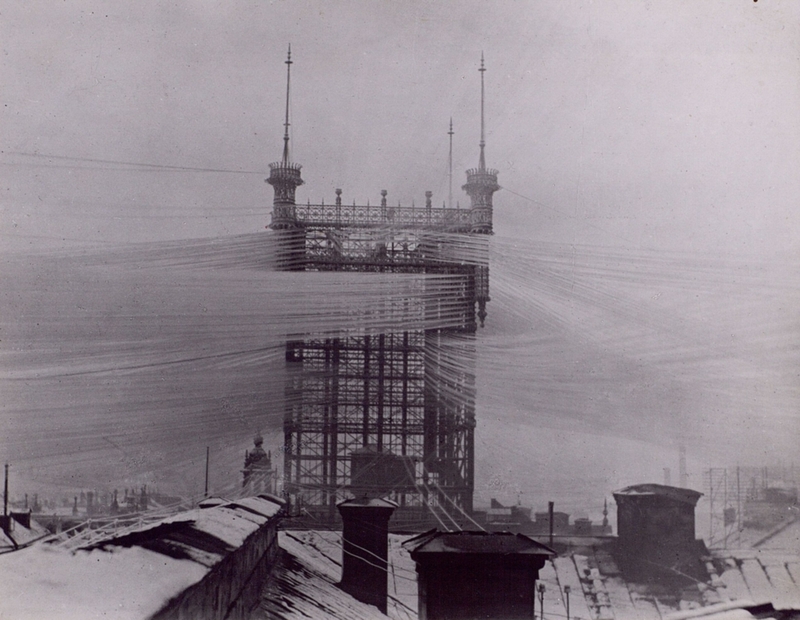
390	414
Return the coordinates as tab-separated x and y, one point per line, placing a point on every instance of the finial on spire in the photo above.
286	122
482	161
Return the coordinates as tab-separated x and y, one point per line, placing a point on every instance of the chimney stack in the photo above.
468	575
365	534
656	530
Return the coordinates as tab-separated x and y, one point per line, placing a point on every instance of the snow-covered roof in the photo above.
785	536
50	582
739	582
311	565
129	576
600	590
20	536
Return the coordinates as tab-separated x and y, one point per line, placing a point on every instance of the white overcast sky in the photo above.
648	124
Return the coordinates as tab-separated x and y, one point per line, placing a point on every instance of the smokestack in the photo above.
365	546
682	476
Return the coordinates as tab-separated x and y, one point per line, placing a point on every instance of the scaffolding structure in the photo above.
391	413
724	492
754	498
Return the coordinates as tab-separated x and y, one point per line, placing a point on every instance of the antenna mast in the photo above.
5	494
286	122
482	162
208	449
450	195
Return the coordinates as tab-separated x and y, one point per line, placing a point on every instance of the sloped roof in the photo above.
785	536
304	584
129	576
737	579
19	536
740	582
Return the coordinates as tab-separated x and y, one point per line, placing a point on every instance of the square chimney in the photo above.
365	542
467	575
656	532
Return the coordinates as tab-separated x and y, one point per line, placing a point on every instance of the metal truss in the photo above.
409	394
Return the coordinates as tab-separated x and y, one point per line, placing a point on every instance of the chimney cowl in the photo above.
687	496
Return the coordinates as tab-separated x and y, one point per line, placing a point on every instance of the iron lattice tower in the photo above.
390	414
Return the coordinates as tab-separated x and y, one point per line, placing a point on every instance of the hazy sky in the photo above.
647	124
664	127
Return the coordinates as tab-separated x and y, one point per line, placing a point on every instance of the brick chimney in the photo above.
365	533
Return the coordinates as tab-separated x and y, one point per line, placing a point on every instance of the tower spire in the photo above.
286	122
284	176
481	185
481	181
482	161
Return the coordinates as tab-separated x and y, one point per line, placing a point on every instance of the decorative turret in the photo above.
481	181
258	475
481	185
284	176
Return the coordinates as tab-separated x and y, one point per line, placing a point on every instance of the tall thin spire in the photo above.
450	161
482	162
286	122
284	176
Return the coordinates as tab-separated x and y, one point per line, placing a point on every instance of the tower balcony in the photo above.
377	216
285	172
482	176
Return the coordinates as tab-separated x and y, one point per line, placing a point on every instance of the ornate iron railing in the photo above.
369	216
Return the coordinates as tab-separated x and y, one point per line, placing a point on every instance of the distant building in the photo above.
517	519
258	475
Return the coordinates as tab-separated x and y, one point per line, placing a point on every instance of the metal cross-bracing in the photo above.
387	414
390	413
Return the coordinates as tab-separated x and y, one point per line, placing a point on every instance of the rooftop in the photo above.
475	542
688	496
129	576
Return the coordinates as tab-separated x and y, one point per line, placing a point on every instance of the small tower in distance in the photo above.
481	181
284	176
258	476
